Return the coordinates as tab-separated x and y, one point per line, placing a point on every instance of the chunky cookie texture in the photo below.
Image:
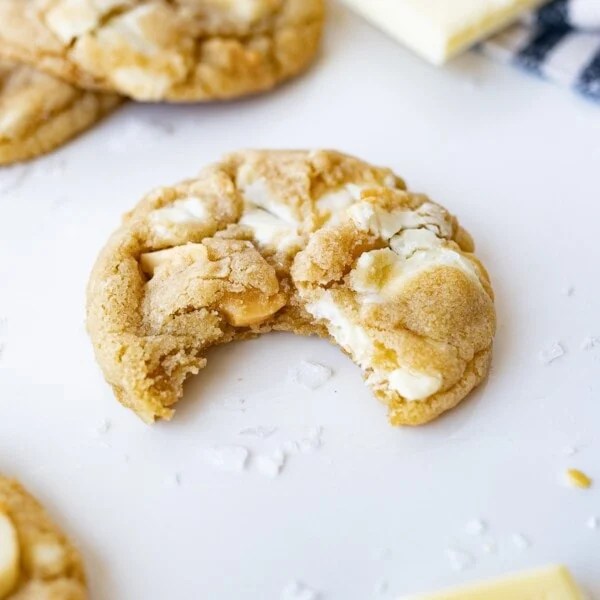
176	50
37	562
39	112
309	242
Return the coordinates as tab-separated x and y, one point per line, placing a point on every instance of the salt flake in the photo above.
173	480
476	527
297	590
231	459
311	375
270	465
551	353
311	441
570	450
382	553
520	541
459	559
234	404
104	427
590	342
259	432
489	547
569	290
291	447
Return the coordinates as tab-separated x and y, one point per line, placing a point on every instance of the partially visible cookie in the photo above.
37	562
309	242
175	50
39	112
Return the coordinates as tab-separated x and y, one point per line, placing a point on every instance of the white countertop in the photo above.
516	159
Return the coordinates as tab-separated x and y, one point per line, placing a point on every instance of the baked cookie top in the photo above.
177	50
310	242
39	112
37	562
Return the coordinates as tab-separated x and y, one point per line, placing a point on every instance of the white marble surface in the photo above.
362	508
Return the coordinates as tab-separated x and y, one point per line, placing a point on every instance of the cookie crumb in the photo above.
311	375
476	527
296	590
270	465
551	353
231	459
459	559
593	523
520	541
579	479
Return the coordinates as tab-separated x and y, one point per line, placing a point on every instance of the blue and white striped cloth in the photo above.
560	41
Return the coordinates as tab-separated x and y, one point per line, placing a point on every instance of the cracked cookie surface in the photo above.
37	562
39	112
308	242
175	50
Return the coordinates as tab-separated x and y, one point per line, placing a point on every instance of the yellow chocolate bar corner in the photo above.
551	583
440	29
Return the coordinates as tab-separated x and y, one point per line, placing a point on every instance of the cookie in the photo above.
308	242
163	49
37	562
39	112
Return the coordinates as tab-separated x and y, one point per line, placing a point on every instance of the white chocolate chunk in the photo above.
332	205
381	274
247	10
410	384
47	559
269	230
256	193
352	338
409	241
550	583
71	18
150	261
245	312
9	555
187	211
440	29
387	224
137	80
